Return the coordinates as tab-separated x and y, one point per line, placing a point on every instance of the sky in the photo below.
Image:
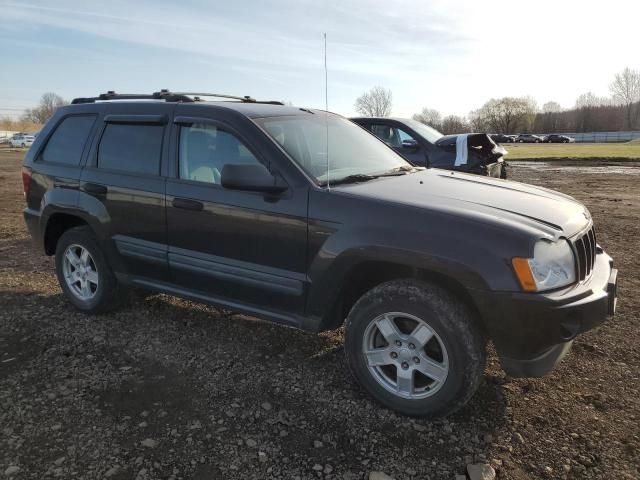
451	55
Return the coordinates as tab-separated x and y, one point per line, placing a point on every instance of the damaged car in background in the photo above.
425	146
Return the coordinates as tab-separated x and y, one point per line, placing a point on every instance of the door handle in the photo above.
94	188
187	204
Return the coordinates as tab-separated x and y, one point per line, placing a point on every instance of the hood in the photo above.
463	194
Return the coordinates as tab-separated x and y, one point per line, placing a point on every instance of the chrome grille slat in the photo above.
582	255
589	252
585	248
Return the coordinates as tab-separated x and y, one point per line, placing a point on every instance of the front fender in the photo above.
344	250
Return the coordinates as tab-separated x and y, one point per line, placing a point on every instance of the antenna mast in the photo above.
326	106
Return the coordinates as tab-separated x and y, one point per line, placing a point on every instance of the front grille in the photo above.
585	247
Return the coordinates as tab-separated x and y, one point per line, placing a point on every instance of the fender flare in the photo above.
326	289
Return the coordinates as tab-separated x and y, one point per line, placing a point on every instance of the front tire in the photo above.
415	348
84	274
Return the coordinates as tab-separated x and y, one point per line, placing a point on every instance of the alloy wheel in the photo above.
80	272
405	355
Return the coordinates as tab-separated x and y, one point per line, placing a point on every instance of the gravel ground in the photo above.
166	388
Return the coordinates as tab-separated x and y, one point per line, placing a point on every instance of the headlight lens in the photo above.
552	266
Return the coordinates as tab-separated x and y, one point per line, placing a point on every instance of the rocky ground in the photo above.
166	388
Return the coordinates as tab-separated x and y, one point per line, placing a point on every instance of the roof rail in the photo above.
246	98
167	96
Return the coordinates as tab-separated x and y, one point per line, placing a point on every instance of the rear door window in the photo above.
68	140
134	148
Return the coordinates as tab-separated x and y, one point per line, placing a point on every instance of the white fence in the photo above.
603	137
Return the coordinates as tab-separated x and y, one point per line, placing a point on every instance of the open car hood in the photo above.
478	143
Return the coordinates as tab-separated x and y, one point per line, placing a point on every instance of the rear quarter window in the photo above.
134	148
68	140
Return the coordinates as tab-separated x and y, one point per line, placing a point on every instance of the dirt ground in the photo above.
166	388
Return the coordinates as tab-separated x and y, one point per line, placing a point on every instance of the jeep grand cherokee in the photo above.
239	204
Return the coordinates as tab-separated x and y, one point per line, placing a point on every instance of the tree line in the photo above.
591	113
33	119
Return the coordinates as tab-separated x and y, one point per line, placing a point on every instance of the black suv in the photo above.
236	204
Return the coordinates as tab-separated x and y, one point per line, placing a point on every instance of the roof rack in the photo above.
167	96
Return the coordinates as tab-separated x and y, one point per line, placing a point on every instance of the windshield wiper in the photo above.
355	178
398	171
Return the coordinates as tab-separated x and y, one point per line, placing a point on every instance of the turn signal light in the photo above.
523	272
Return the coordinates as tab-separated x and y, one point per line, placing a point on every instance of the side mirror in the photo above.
251	178
410	144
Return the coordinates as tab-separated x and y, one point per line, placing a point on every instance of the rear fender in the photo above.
78	204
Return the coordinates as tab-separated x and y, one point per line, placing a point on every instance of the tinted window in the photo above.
131	148
67	141
206	149
431	135
391	135
387	134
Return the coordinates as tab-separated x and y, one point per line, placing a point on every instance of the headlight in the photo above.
552	266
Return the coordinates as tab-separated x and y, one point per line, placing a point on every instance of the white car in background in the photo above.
22	141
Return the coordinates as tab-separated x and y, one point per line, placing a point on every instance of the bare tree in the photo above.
478	123
551	107
45	109
505	115
374	103
590	99
547	121
587	106
455	124
429	116
625	88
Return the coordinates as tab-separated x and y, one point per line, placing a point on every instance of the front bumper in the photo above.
532	332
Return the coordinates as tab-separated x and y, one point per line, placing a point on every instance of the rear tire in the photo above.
426	356
84	273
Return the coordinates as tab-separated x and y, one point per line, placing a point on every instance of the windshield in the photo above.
352	151
429	134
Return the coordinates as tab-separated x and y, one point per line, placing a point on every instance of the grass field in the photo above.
562	151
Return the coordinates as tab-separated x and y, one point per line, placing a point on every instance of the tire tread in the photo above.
446	305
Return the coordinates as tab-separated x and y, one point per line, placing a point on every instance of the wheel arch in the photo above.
368	274
58	223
